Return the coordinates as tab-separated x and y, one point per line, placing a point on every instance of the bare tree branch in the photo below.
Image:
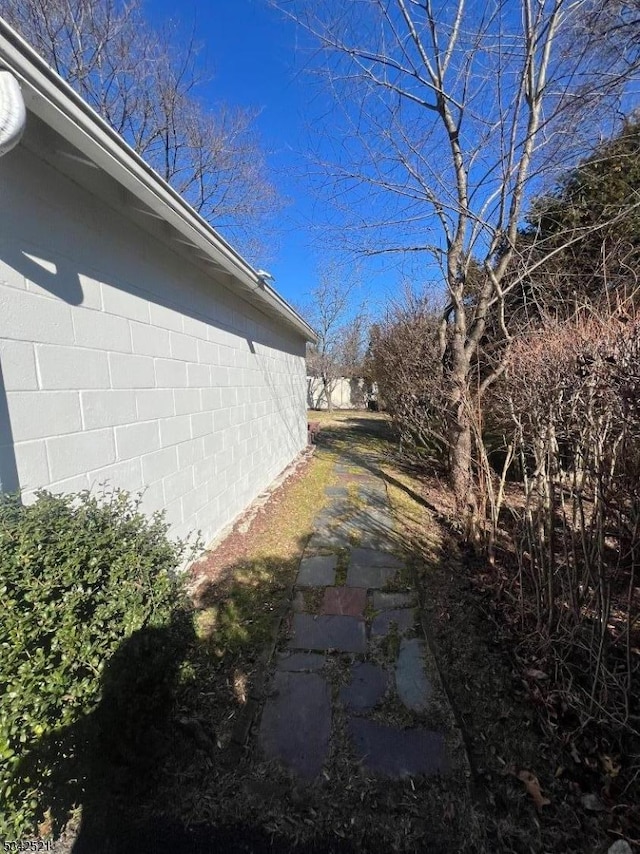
453	115
144	82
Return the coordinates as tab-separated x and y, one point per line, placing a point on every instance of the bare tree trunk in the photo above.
451	111
460	439
328	392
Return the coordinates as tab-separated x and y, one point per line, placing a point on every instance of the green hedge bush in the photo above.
79	574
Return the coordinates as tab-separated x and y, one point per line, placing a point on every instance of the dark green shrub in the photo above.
79	574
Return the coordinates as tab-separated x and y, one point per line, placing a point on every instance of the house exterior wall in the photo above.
122	362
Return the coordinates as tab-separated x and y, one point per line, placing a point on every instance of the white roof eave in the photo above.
59	106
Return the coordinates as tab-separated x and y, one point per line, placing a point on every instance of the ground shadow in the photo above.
338	440
155	734
155	739
8	467
108	758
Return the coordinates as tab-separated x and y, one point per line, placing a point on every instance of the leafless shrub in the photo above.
572	395
407	366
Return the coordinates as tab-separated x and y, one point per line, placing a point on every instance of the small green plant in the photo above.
79	574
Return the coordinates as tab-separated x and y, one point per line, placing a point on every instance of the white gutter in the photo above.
58	105
13	113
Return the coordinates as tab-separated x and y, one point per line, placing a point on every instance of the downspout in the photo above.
13	114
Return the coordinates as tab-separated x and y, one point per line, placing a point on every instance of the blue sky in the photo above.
261	60
258	59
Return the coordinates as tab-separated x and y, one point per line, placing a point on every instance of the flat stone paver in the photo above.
307	703
371	568
368	686
324	519
384	601
301	662
329	539
344	634
396	752
317	571
374	557
296	722
349	601
356	477
367	531
341	507
412	684
375	519
370	577
371	541
403	618
376	495
337	492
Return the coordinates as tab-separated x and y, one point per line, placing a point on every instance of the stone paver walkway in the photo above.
354	647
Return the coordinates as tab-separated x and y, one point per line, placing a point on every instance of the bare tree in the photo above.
340	329
144	82
453	115
351	350
612	27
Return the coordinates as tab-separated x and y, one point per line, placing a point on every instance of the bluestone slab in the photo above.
370	577
373	494
383	601
317	571
374	557
403	618
368	686
301	662
324	519
414	689
365	526
296	722
345	634
329	539
344	600
396	753
374	520
337	491
347	476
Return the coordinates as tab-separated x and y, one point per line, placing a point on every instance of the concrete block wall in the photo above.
123	363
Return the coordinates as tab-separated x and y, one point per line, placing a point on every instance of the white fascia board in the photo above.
59	106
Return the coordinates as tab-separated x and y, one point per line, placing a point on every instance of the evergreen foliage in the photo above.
79	574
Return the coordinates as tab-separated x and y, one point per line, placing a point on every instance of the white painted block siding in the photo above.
122	362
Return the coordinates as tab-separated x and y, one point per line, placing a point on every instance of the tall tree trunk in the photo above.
328	392
460	440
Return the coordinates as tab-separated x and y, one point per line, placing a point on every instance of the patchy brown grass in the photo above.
239	585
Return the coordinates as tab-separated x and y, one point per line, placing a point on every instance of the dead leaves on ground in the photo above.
532	786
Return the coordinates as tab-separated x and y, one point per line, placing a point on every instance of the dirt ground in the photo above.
530	791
